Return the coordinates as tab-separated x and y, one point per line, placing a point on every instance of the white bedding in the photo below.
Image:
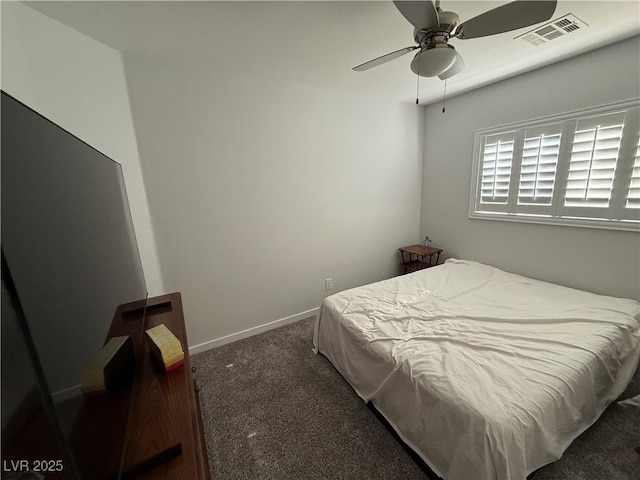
485	374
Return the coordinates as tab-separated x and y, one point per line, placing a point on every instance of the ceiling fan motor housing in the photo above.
448	22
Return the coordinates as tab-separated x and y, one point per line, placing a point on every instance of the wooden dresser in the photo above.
165	409
165	413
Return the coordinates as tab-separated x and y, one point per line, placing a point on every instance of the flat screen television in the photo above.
70	261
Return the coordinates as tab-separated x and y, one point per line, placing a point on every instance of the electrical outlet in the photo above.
328	284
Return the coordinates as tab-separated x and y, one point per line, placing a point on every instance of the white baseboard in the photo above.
249	332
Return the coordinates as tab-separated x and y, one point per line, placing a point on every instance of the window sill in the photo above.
624	225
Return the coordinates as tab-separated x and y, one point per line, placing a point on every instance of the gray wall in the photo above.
601	261
260	190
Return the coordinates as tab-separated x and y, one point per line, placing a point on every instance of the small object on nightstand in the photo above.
427	242
419	257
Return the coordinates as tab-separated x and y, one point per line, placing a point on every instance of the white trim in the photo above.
625	225
250	332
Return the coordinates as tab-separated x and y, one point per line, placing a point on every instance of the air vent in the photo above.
555	28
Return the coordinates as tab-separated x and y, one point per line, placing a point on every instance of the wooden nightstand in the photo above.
419	257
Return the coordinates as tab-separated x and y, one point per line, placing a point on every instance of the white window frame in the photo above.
616	216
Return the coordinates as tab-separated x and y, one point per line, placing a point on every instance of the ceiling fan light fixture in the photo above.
433	60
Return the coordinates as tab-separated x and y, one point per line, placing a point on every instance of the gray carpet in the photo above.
272	409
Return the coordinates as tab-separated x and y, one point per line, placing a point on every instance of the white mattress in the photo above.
485	374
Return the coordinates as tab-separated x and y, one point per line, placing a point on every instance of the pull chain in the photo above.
444	98
418	80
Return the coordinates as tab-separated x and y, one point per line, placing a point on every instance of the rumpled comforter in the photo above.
485	374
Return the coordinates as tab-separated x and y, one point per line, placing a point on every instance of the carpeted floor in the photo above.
272	409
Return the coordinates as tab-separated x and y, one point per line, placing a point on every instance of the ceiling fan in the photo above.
433	27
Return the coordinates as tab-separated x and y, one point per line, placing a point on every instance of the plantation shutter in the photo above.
633	195
592	165
497	161
538	168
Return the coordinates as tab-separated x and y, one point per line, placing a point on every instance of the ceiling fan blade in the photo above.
422	14
457	67
514	15
383	59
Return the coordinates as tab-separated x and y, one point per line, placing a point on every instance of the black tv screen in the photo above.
72	258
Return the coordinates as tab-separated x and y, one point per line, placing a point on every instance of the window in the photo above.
580	168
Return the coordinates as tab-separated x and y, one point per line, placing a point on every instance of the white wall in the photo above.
79	84
601	261
260	190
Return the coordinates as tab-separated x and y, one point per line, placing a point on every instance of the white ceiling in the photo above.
318	42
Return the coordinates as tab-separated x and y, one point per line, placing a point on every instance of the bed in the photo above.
483	373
